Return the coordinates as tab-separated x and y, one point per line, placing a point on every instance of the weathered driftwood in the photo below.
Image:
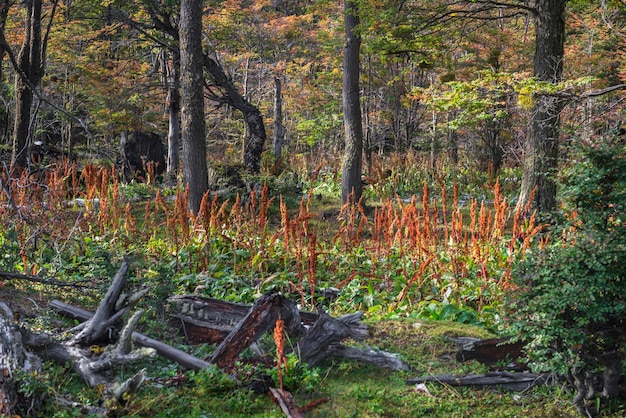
111	310
162	349
286	403
512	381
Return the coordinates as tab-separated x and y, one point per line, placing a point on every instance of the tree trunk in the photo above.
4	113
29	61
253	147
542	146
173	110
192	102
351	167
279	131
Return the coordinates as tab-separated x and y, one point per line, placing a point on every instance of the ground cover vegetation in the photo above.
445	242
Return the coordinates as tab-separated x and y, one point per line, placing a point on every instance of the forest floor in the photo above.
339	389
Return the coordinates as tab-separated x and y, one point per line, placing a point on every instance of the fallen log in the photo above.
320	333
237	326
517	382
493	352
208	320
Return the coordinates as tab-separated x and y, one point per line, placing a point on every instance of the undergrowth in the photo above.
432	255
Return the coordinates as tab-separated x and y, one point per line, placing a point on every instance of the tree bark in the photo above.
192	102
351	167
261	318
542	145
29	61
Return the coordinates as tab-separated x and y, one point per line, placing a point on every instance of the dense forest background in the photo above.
450	81
450	160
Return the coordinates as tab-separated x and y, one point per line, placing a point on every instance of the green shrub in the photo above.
571	303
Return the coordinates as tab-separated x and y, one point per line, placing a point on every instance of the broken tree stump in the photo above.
12	358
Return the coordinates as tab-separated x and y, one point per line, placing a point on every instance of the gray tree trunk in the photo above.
173	110
192	102
4	113
29	61
279	131
542	146
351	167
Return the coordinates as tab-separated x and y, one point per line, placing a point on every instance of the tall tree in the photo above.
542	145
351	166
4	114
279	131
172	78
30	67
192	102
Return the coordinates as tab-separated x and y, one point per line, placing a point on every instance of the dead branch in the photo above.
112	308
38	279
162	349
512	381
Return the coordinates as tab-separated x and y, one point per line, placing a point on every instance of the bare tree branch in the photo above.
601	92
